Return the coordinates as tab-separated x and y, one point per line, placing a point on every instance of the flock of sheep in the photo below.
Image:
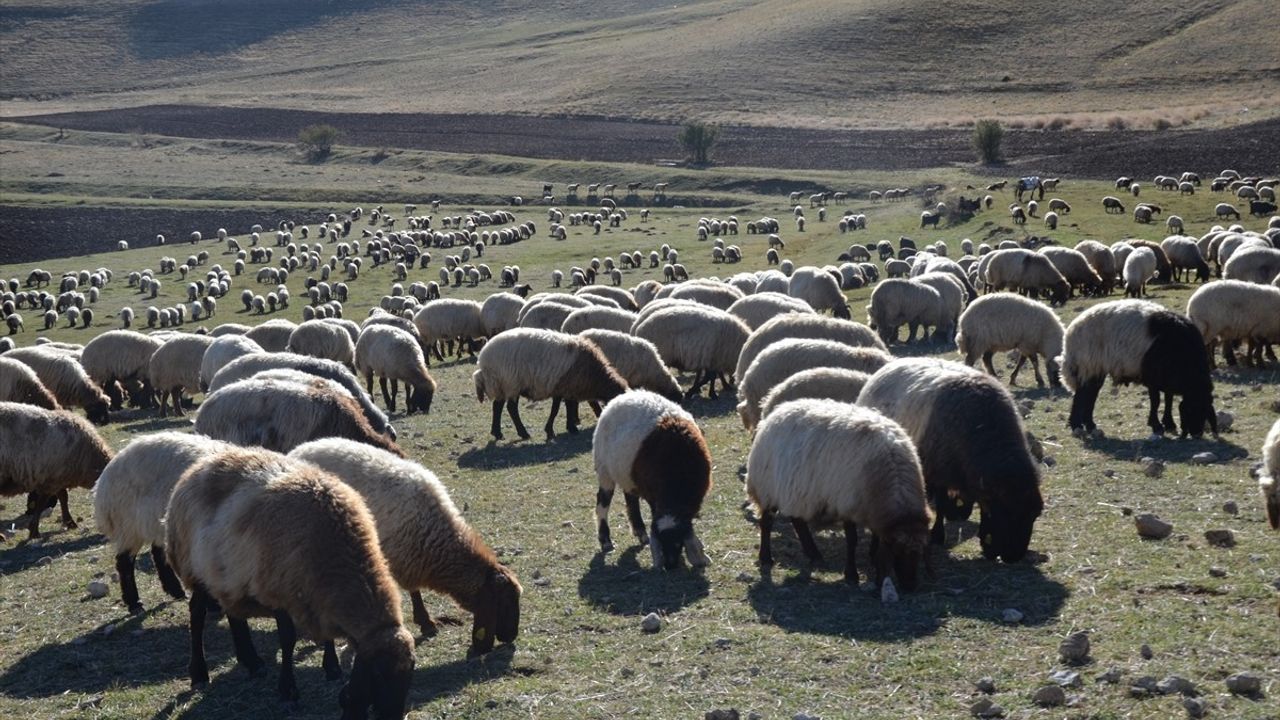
291	453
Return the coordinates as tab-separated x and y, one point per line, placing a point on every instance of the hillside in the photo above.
808	63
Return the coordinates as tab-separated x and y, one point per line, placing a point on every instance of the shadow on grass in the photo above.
20	554
507	453
726	403
973	588
1168	448
617	583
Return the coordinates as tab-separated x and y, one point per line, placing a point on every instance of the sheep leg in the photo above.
368	383
243	642
766	527
514	413
1167	419
421	616
177	402
496	428
68	522
1153	419
1229	351
128	582
288	636
571	416
986	361
168	580
851	548
698	381
551	419
1082	405
332	670
1013	376
633	517
387	397
938	533
198	669
36	504
1035	365
595	407
806	541
604	496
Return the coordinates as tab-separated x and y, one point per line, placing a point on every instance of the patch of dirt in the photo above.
1140	153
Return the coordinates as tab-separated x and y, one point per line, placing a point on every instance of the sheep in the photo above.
175	367
1139	341
636	360
604	318
322	339
500	312
623	298
1184	255
1234	310
66	380
1075	269
897	302
953	298
130	498
425	539
1060	206
1139	267
784	358
15	323
1255	263
827	383
1269	478
1004	321
1226	210
20	384
221	352
449	320
696	338
1051	220
713	294
283	411
47	452
817	462
651	448
1113	204
757	309
395	355
820	290
1027	271
972	448
540	364
260	534
799	325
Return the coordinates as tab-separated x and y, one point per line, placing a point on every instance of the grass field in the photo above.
791	641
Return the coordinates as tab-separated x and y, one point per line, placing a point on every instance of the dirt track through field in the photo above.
1249	148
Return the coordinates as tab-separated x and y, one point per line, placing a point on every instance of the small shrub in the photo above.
1057	123
316	141
1161	124
1115	122
697	139
987	135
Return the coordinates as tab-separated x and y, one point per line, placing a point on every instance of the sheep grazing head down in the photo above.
1005	527
497	613
902	547
380	678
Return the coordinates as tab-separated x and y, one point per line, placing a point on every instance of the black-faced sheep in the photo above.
1136	341
815	461
427	542
1004	321
263	535
972	447
652	450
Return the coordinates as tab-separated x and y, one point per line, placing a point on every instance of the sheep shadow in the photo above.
506	454
726	403
148	421
1167	448
919	348
627	588
436	681
21	554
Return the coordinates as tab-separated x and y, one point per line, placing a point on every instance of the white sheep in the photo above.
1254	263
1229	311
394	355
500	312
323	339
272	335
65	379
786	357
121	356
1139	267
757	309
819	289
221	352
897	302
1023	270
1269	478
446	321
951	291
1184	256
799	325
20	384
696	338
175	368
826	383
1005	321
601	318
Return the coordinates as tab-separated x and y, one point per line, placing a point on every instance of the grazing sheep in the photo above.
447	321
272	335
713	294
1102	260
820	290
130	498
175	368
260	534
1254	263
14	323
817	462
541	364
603	318
759	308
653	450
1026	271
953	300
500	312
425	539
1233	310
1184	256
1226	210
637	361
972	448
1004	321
323	339
799	325
221	352
395	355
20	384
622	297
1139	267
786	357
1075	269
66	380
1136	341
825	383
280	413
1269	478
1113	204
898	302
47	452
696	338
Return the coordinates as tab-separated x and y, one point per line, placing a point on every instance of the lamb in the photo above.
603	318
1004	321
972	448
811	326
653	450
696	338
1027	271
1233	310
449	320
47	452
258	533
20	384
1254	263
280	414
66	380
1184	255
122	356
540	364
425	539
826	383
323	339
784	358
897	302
395	355
757	309
272	335
1139	267
175	368
818	462
1139	341
820	290
130	498
221	352
1269	478
1075	268
636	360
500	312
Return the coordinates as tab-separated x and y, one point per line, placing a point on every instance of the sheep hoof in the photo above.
606	547
428	629
135	608
199	684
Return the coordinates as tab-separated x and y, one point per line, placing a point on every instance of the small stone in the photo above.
98	589
1230	507
1012	616
542	581
805	716
1204	458
1225	420
490	704
1035	446
1176	685
986	685
1049	461
1244	683
1126	511
651	623
888	593
1152	467
1142	687
1074	648
1049	696
1145	652
745	577
984	708
1195	707
1110	677
1066	678
753	715
1218	572
1220	538
730	714
1151	527
1109	473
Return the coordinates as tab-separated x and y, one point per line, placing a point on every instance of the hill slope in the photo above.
871	63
